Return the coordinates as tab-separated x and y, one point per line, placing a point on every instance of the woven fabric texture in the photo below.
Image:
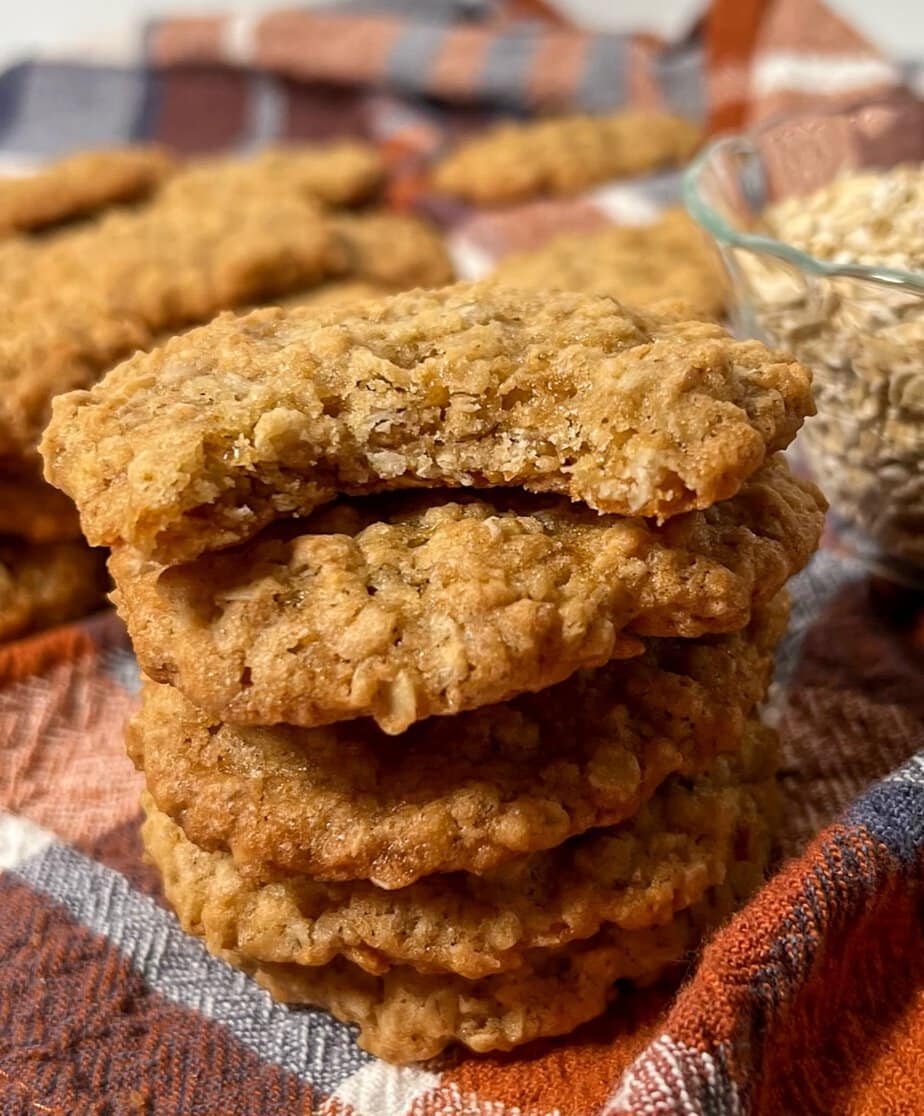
810	1000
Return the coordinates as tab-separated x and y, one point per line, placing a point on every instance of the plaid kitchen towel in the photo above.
812	999
418	72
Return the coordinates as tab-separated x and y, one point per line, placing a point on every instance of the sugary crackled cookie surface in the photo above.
81	184
42	584
563	155
468	793
637	875
638	264
201	443
406	607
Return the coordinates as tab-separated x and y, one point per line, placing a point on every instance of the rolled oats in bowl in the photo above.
820	222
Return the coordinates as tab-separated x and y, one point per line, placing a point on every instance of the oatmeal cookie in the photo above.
407	1016
78	303
346	802
407	607
381	253
638	875
43	584
395	250
641	265
79	185
344	173
32	509
201	443
563	155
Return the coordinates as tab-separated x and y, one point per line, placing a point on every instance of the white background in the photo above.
26	25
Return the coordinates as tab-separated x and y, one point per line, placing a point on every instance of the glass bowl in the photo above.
858	326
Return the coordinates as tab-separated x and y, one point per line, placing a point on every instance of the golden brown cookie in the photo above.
199	444
640	874
32	509
381	253
76	303
457	793
407	607
337	174
81	184
43	584
641	265
395	250
563	155
406	1016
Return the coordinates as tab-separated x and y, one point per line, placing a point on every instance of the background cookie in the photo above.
337	174
563	155
395	250
81	184
76	304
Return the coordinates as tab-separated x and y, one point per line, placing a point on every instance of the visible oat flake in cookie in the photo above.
465	793
201	443
414	605
638	875
404	1015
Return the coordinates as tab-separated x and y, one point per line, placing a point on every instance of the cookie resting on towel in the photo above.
465	793
201	443
515	161
638	875
335	292
406	1016
381	253
402	607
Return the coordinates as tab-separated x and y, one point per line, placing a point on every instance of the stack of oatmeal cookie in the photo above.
110	252
454	613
